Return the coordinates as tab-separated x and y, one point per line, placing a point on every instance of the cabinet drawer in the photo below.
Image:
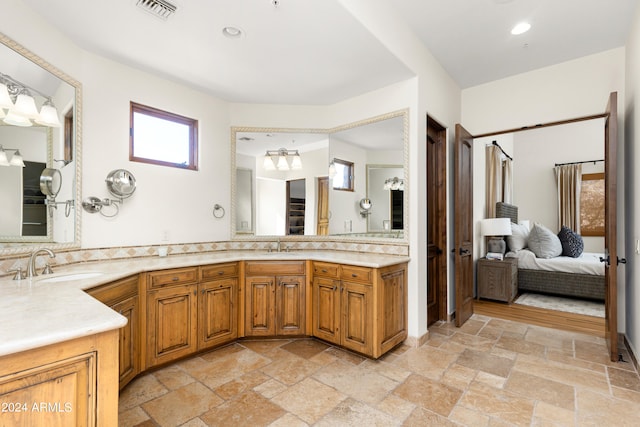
274	267
217	271
326	269
178	276
357	274
115	292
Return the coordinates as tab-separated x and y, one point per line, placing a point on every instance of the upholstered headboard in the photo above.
505	210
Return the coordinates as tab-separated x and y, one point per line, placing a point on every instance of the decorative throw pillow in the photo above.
572	243
544	242
519	238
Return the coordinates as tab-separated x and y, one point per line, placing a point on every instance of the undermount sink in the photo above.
71	276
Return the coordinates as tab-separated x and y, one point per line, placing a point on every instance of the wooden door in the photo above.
610	230
357	317
172	319
463	217
326	309
436	222
323	206
128	347
290	305
260	306
217	312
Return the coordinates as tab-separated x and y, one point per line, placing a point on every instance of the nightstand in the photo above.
498	280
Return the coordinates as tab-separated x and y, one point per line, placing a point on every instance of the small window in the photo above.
592	205
163	138
342	172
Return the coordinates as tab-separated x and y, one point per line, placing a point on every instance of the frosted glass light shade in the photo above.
268	163
48	116
17	120
5	99
16	159
25	106
3	158
282	165
296	162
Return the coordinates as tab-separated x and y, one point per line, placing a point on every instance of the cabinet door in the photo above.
357	317
171	323
129	351
260	306
393	306
290	305
218	318
326	309
61	394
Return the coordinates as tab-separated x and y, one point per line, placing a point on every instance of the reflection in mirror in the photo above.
287	201
28	216
385	188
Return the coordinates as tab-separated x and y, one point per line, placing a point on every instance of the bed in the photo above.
581	277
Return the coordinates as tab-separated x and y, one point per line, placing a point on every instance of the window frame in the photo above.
591	231
350	177
171	117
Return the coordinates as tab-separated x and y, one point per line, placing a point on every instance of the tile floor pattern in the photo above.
490	372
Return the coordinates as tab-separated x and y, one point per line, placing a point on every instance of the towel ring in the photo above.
218	211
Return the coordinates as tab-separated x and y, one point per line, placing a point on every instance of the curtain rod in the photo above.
578	163
503	152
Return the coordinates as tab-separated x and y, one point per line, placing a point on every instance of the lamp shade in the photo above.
5	99
48	115
496	227
25	105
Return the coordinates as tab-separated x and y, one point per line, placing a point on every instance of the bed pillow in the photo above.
544	242
519	238
572	243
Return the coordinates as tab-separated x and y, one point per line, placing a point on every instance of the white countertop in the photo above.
35	313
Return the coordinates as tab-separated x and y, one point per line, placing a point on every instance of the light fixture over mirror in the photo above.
33	96
309	202
282	160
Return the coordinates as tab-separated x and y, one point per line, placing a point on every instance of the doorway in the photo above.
436	222
296	205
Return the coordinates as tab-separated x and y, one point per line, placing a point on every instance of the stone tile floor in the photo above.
490	372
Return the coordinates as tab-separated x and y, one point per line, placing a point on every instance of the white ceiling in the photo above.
316	52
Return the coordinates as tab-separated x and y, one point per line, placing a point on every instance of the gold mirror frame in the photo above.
28	244
235	235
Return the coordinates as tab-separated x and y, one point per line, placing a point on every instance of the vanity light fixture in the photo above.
282	159
15	160
17	99
520	28
394	183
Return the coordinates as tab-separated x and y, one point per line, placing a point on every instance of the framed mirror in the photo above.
30	218
310	182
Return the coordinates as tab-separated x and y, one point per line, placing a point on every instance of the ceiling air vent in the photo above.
160	8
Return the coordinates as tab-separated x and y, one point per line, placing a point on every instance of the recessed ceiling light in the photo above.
233	32
521	28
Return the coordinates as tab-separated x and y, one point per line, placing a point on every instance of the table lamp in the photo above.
496	228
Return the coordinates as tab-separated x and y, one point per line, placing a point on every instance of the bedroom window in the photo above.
342	174
162	138
592	205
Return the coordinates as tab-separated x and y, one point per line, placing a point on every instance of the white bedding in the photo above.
587	263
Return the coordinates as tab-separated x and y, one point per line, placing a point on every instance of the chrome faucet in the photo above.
278	245
31	266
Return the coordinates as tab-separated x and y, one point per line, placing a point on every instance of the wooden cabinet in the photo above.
190	309
72	383
217	305
498	280
360	308
275	302
122	296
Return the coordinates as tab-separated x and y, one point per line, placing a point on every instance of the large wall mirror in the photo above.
345	183
39	198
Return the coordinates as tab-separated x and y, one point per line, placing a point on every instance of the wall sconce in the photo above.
279	159
17	99
365	207
394	184
120	184
16	159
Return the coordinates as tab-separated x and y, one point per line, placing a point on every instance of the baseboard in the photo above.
629	348
417	341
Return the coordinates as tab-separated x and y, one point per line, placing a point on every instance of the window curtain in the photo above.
568	181
507	177
494	179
